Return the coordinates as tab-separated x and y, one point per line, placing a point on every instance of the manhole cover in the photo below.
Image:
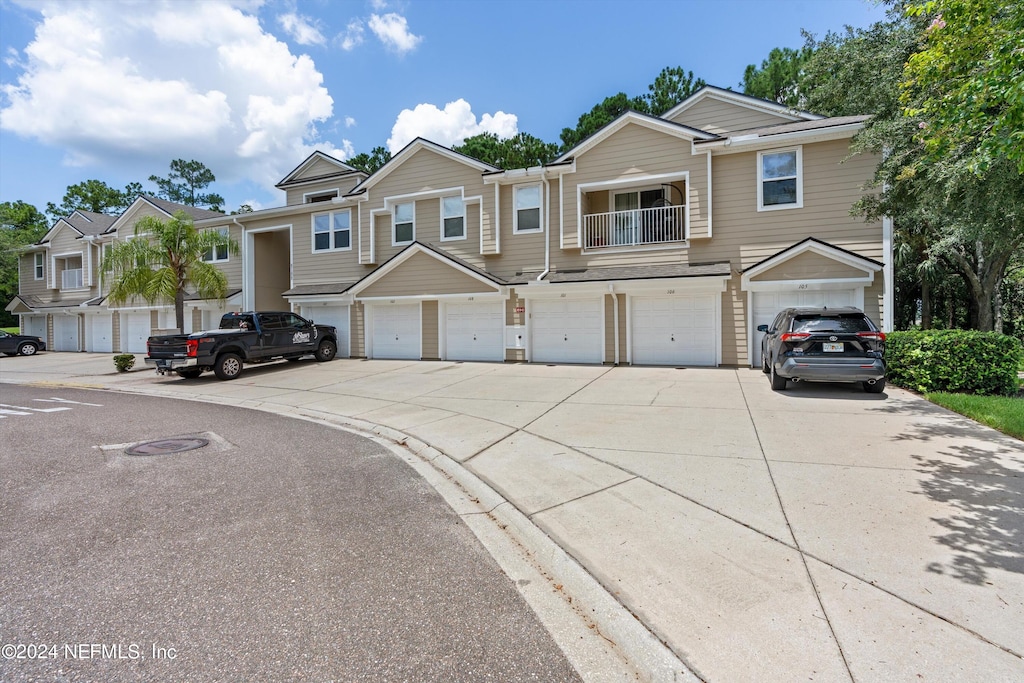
164	446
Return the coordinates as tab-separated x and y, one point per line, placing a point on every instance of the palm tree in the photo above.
163	259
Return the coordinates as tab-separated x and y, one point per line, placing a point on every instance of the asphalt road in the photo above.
283	550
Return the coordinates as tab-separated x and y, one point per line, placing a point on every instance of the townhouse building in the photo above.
658	240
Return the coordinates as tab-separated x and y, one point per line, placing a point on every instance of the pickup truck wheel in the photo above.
326	350
189	374
229	366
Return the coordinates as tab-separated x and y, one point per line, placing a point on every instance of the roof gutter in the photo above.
744	142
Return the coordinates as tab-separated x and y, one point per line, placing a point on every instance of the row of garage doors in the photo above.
676	330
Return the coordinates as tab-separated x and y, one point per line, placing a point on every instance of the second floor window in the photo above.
332	231
779	185
527	209
40	268
218	254
405	223
453	218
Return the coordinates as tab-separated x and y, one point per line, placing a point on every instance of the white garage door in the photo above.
675	330
396	331
135	329
768	304
99	334
338	316
34	325
567	330
65	333
475	331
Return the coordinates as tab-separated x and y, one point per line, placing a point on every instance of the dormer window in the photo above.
315	197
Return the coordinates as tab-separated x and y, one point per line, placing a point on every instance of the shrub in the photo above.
956	361
124	362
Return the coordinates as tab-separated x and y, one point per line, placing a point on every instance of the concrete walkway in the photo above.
816	534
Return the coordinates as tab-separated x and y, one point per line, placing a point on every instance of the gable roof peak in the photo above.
741	99
296	173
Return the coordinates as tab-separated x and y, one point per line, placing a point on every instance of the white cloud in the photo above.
393	30
303	30
143	84
448	126
353	35
349	122
378	5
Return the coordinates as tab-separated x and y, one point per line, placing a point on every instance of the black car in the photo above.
823	345
14	344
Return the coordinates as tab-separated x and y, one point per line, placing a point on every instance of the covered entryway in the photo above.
99	331
474	331
675	330
65	333
566	330
394	331
135	328
338	316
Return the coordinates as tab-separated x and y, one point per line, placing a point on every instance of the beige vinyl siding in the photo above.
357	329
609	328
718	117
319	168
873	299
429	330
138	211
424	274
632	153
513	318
232	268
809	266
115	339
28	284
734	324
523	252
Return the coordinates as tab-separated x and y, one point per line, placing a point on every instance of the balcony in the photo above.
635	227
71	279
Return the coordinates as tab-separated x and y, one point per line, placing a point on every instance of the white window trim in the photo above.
39	266
799	180
515	209
394	224
330	231
333	193
465	232
227	253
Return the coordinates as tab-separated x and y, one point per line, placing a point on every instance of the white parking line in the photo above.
54	399
34	410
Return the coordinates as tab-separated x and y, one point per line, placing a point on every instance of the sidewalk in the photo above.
819	533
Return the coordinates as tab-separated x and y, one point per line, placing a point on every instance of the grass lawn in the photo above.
1004	413
12	330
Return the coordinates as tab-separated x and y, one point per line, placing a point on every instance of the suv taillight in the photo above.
875	336
193	347
795	336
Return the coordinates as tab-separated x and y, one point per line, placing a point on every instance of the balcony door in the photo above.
628	211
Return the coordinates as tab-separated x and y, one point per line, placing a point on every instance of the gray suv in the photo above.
823	345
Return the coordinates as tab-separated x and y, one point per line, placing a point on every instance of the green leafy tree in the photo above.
95	196
966	85
164	260
244	208
670	87
600	116
519	151
369	163
21	224
185	183
779	77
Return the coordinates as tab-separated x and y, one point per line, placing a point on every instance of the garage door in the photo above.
65	333
99	334
675	330
338	316
134	332
567	330
396	331
768	304
34	325
475	331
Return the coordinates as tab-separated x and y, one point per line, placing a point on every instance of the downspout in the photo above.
615	317
245	266
547	225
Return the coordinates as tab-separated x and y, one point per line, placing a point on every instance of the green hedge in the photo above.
956	361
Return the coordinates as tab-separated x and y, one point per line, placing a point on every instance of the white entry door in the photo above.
768	304
567	330
475	331
675	330
100	334
396	331
65	333
135	328
338	316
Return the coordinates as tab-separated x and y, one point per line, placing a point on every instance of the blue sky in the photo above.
114	90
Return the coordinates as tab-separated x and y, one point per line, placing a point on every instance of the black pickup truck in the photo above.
248	337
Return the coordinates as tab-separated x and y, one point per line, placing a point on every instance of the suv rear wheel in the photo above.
876	388
778	383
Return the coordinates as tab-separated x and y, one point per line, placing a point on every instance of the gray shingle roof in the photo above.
313	290
641	272
195	213
89	222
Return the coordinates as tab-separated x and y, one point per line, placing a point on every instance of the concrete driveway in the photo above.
820	533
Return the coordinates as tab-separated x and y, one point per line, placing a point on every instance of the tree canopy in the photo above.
778	78
185	182
95	196
21	224
164	260
519	151
369	163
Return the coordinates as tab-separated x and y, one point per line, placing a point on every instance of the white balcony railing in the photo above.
71	279
635	227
